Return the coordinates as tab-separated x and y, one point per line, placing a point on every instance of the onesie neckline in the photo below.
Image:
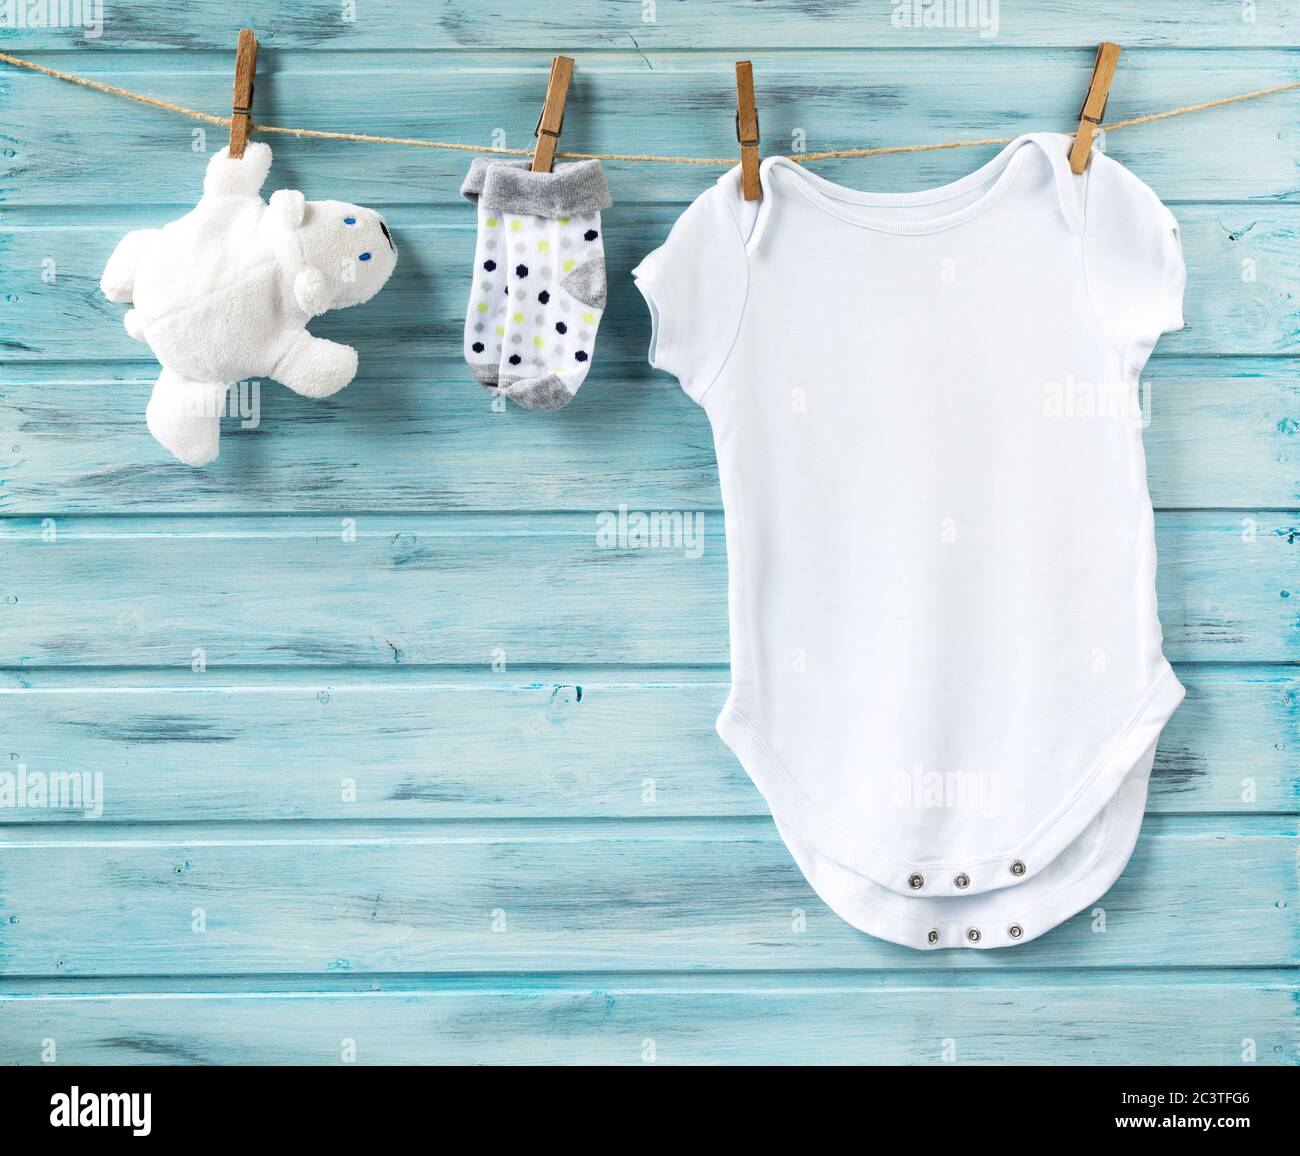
842	202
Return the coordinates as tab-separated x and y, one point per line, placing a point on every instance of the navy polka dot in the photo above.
590	235
365	257
581	355
477	347
521	270
515	359
560	327
543	297
489	265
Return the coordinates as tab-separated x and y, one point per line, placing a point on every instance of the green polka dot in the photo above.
537	341
516	225
589	317
518	317
482	306
563	220
543	246
501	330
568	266
491	222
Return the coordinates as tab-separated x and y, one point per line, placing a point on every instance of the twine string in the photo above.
633	158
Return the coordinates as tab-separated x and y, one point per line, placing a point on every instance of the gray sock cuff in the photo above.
576	188
471	187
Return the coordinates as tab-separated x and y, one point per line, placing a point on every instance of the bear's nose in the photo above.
387	235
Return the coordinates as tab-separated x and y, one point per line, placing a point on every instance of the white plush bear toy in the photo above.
224	294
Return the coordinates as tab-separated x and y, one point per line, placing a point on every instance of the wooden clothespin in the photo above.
241	107
551	122
1094	104
747	130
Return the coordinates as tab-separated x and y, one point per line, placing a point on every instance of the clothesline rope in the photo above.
416	142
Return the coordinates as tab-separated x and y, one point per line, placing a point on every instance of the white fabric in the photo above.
224	294
946	658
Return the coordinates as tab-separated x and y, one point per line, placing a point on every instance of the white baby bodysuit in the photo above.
947	677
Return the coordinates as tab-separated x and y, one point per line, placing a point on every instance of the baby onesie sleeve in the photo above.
1133	258
695	284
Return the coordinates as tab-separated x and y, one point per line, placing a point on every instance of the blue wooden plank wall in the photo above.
398	763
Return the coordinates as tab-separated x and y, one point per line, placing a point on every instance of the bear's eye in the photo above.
364	257
349	220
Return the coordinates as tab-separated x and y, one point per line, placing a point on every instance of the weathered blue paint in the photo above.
451	788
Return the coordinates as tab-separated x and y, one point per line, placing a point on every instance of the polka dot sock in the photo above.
555	278
485	319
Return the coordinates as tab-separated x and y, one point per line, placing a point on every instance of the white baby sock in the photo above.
485	320
555	277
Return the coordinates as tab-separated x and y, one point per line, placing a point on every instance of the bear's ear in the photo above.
311	291
289	205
